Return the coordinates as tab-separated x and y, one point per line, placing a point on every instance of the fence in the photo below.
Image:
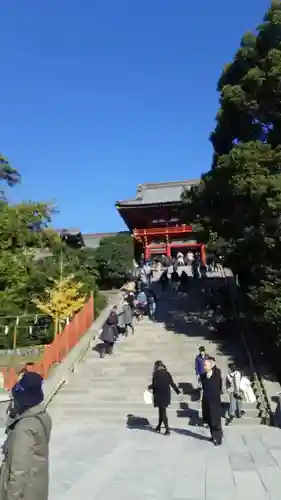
61	345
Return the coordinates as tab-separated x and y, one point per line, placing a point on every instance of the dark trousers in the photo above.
163	419
216	432
127	329
164	284
106	348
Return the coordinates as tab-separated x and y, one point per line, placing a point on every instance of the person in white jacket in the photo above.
233	381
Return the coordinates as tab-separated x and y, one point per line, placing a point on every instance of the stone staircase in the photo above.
108	393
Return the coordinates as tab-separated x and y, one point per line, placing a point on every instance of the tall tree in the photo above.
26	273
239	199
114	259
7	173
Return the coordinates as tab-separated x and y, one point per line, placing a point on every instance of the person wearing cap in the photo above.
199	365
25	468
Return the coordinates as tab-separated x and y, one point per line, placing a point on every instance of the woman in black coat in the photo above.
109	334
211	400
161	382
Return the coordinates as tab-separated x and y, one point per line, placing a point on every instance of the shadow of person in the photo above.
188	389
143	424
98	347
188	433
137	422
193	415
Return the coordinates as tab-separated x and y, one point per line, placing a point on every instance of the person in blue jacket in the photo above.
199	365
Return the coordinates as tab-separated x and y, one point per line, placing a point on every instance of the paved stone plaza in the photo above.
122	464
95	455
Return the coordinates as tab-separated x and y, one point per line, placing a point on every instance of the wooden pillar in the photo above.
203	254
146	253
168	250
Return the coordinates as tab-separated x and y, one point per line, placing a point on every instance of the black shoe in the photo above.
167	432
217	443
229	420
158	429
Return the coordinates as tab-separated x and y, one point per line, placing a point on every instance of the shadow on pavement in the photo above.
188	433
188	313
141	423
188	389
137	422
193	415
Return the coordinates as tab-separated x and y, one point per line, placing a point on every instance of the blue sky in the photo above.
99	96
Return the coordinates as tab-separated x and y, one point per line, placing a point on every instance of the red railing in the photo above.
162	231
61	345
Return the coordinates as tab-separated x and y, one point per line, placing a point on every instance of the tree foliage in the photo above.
33	258
7	173
238	202
30	261
62	300
114	259
25	226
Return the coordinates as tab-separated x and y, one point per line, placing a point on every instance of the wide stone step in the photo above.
123	397
142	420
183	409
107	390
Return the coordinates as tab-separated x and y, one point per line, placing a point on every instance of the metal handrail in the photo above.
263	405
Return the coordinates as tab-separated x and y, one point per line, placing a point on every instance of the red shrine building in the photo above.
156	219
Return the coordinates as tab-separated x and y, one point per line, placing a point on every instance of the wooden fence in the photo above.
61	345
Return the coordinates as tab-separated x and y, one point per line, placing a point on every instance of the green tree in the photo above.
25	226
114	259
80	262
26	272
7	173
238	201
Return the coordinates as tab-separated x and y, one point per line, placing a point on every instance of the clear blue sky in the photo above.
98	96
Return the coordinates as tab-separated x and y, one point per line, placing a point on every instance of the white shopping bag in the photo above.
248	393
147	397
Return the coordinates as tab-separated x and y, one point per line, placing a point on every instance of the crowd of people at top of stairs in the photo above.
190	258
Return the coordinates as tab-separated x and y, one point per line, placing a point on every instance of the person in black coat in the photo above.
216	368
211	400
162	382
109	333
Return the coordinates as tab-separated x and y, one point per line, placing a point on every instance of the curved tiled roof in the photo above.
159	192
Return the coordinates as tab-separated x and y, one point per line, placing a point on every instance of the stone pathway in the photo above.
103	444
103	464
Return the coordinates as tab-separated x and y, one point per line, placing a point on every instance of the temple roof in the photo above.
92	240
158	192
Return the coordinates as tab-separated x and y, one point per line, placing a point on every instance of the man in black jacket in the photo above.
211	400
216	368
